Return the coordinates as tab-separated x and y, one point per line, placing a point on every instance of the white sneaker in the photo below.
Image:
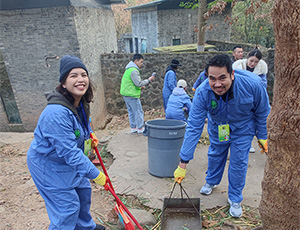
252	150
207	189
235	209
134	130
141	130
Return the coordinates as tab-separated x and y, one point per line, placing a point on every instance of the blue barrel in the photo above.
165	137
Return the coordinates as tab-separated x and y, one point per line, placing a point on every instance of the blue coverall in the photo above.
202	77
245	111
170	83
177	101
60	170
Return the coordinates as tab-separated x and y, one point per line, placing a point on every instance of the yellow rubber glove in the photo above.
179	174
95	140
100	179
263	144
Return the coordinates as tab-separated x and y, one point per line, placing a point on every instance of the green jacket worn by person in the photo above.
130	89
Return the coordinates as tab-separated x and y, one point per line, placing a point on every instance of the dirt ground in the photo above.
22	208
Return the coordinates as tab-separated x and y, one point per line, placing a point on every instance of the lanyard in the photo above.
222	108
84	119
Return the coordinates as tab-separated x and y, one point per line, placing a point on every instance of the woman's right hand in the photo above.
100	179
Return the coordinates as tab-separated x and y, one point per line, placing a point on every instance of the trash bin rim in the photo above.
184	124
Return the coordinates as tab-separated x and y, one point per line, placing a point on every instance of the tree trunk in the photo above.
201	25
280	202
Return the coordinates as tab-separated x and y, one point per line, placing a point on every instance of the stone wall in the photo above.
28	36
113	67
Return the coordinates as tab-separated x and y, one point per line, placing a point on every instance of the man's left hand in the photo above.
263	144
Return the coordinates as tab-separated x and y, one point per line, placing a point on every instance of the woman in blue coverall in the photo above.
57	158
236	106
170	81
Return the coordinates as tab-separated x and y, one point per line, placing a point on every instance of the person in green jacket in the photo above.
130	89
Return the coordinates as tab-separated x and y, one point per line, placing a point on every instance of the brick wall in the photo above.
29	36
177	24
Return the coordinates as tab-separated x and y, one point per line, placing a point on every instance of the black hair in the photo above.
137	57
255	52
88	96
237	46
220	60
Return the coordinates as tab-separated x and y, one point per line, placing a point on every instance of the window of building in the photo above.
176	41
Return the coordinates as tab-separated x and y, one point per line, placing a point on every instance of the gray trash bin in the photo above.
165	137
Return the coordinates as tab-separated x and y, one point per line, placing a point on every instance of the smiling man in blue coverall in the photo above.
236	105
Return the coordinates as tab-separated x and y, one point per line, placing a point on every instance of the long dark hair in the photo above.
87	97
255	52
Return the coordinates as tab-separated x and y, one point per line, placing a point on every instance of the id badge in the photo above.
87	146
224	132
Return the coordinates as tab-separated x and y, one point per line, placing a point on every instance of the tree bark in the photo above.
201	25
280	202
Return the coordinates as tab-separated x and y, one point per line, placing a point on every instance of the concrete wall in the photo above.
113	67
96	35
28	36
145	26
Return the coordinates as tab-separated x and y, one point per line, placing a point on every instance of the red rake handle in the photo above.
107	187
112	191
102	164
103	167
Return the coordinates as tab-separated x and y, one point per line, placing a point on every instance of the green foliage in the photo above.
195	3
210	5
192	4
250	21
252	27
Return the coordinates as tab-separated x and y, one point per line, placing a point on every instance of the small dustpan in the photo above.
181	213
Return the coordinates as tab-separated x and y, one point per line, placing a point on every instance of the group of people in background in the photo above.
180	104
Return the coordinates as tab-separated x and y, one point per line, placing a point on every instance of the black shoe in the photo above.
99	227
